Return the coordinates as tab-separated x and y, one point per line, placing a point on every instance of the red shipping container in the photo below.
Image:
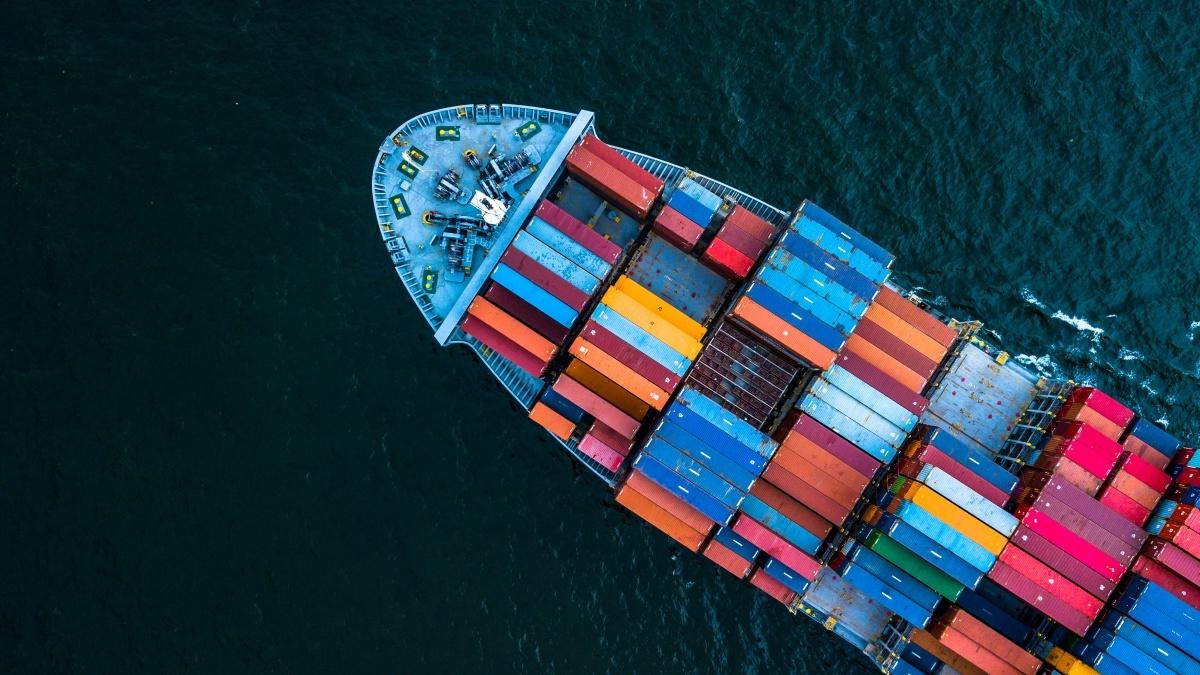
1152	456
969	649
1177	585
885	384
931	455
622	163
763	582
741	218
1116	547
917	317
742	241
612	439
630	356
962	621
1101	403
595	405
726	559
792	509
1135	489
1189	477
1094	511
578	232
775	546
675	228
1182	536
727	260
1070	472
1051	581
1053	607
839	447
1124	505
808	495
549	281
1073	544
526	313
1186	515
896	348
820	469
503	346
1081	413
1146	472
1088	579
607	457
1173	558
619	189
1182	457
669	502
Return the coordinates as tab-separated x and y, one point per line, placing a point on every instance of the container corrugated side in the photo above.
1094	511
885	384
806	298
695	472
573	228
659	517
941	583
727	559
830	474
954	516
972	459
1151	644
926	641
819	281
680	439
1173	558
970	501
716	438
828	440
828	264
758	318
881	592
727	260
917	317
1072	568
551	421
785	575
996	618
1156	478
614	158
929	550
1165	614
677	229
607	389
844	231
848	428
931	456
570	249
524	336
497	342
799	318
741	241
640	340
1073	544
595	405
870	397
895	346
943	534
893	575
608	457
888	364
745	433
630	355
535	295
666	310
1091	417
779	524
649	321
618	372
1123	504
1051	581
684	489
991	640
906	332
528	314
610	182
802	491
562	406
690	208
775	546
841	249
1152	435
769	585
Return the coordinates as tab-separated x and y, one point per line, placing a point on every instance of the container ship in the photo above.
750	381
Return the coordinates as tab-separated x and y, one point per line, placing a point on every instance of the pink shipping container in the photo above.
1189	477
1087	578
1152	456
591	402
836	445
1073	544
775	546
1173	558
1051	581
607	457
1135	489
727	260
1124	505
1101	403
1146	472
1094	511
1053	607
1182	536
1187	515
1070	472
612	439
1049	504
1177	585
931	455
675	228
763	582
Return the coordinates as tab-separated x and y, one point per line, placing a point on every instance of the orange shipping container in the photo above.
1131	487
926	641
551	421
794	510
666	310
726	559
883	361
607	389
812	473
797	488
907	333
795	444
919	318
619	373
1089	416
597	407
652	322
968	625
784	333
972	651
525	337
659	518
953	515
665	499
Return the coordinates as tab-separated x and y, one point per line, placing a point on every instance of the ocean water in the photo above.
230	443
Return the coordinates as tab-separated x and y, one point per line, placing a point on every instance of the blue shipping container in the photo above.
696	191
1158	609
885	595
850	279
639	339
561	266
569	248
975	461
856	238
893	576
780	260
1100	660
1152	645
930	551
684	489
1150	434
903	667
842	249
1125	652
921	659
785	575
716	439
694	472
857	411
848	429
562	406
793	290
871	397
530	292
729	423
781	525
774	302
1000	621
943	534
730	540
689	208
700	451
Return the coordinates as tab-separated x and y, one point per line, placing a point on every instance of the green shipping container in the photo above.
941	583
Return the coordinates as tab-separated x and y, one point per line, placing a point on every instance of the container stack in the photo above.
1134	488
1149	629
665	511
820	469
624	184
694	202
738	243
508	336
983	647
557	415
1151	443
871	568
745	374
902	340
816	284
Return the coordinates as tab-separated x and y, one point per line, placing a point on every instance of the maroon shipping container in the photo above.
622	191
1189	477
837	446
1173	558
503	346
675	228
1182	536
727	260
576	230
1053	607
809	495
741	240
1187	515
630	356
908	356
1184	456
1101	403
931	455
610	437
883	383
526	313
1095	511
1120	550
622	163
549	281
741	218
1039	547
792	509
1178	586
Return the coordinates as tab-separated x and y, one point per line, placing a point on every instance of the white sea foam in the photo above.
1079	323
1044	365
1192	331
1145	384
1129	355
1028	296
1163	422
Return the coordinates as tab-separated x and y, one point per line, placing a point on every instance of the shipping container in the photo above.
570	249
921	659
1029	591
728	469
660	518
514	330
551	420
607	389
884	594
664	309
1182	536
916	317
840	248
930	551
864	414
694	472
824	262
823	470
826	439
941	533
611	438
1112	646
562	406
1146	431
780	525
1051	581
614	370
1151	644
668	501
1085	415
844	231
944	654
1130	486
996	618
991	640
818	281
727	260
822	309
1145	451
1094	511
535	295
1085	577
769	585
785	575
629	355
616	187
895	346
790	508
640	340
526	313
882	569
607	456
745	220
690	208
596	406
969	500
1161	611
716	438
848	428
746	434
1147	473
708	198
776	547
675	228
539	262
1173	558
933	457
1184	589
739	545
928	575
726	559
650	321
741	241
573	228
954	516
827	507
864	393
799	318
615	159
974	652
889	365
906	332
1069	471
973	459
497	342
684	489
887	385
1075	545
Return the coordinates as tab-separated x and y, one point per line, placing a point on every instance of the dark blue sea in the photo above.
229	442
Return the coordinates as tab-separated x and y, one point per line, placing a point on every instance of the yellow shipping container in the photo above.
650	321
946	511
651	301
1067	664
